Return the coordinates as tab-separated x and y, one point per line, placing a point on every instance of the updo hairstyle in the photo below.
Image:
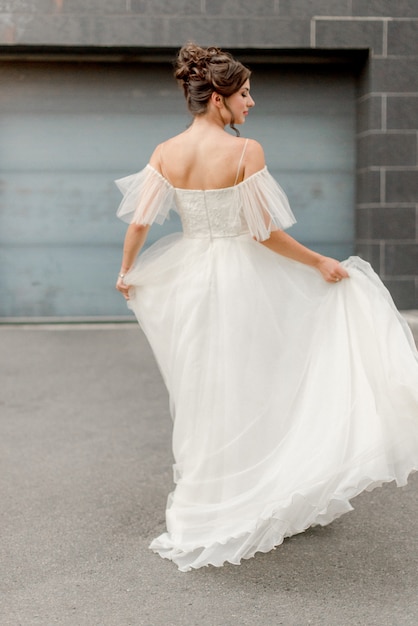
203	71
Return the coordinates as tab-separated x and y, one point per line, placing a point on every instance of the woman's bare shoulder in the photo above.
163	147
254	146
254	158
154	159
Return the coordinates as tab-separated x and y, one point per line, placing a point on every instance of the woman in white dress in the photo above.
293	380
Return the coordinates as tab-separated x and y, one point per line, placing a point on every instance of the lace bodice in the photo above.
212	213
257	205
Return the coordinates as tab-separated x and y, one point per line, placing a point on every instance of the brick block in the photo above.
96	7
402	186
369	114
131	31
402	112
370	252
228	31
390	75
23	6
401	259
208	31
368	187
84	30
403	38
366	34
52	30
403	292
362	221
244	8
385	8
121	7
162	7
103	7
387	149
387	223
277	32
308	8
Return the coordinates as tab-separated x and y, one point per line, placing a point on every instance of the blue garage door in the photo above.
68	130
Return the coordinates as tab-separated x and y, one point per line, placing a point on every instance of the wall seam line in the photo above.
313	32
385	38
382	185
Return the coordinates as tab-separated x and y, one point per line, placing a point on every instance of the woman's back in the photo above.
202	160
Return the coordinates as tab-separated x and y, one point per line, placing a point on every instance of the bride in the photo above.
293	380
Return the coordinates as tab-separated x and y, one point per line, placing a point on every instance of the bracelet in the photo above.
122	276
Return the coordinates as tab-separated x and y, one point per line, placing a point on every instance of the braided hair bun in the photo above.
192	61
202	71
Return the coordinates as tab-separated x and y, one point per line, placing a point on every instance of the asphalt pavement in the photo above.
85	469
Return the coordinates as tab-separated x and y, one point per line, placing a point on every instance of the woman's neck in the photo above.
208	122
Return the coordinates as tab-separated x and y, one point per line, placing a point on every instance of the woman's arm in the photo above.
134	240
282	243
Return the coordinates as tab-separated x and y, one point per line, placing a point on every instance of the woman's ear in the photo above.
217	100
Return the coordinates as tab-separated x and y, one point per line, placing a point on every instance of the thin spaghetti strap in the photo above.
240	161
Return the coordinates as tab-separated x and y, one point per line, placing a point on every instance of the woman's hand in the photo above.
135	237
332	271
120	286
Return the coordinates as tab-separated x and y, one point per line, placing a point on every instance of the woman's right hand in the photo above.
120	286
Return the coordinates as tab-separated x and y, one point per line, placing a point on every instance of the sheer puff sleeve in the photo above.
147	197
264	205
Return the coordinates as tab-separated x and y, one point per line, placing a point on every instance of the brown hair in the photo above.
202	71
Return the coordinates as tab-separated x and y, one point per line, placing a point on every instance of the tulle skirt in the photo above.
289	395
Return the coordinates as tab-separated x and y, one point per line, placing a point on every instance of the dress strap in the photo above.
240	161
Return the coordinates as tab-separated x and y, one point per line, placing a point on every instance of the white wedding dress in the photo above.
289	395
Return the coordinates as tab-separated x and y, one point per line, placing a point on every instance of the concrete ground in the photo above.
85	468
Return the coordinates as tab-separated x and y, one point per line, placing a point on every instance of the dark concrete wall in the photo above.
387	183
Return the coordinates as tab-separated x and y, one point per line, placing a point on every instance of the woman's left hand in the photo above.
332	271
124	289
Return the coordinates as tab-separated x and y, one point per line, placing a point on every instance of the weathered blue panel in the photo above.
67	131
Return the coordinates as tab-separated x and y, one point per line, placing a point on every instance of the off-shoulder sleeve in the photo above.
147	197
264	205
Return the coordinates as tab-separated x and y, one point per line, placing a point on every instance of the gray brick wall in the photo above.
387	105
